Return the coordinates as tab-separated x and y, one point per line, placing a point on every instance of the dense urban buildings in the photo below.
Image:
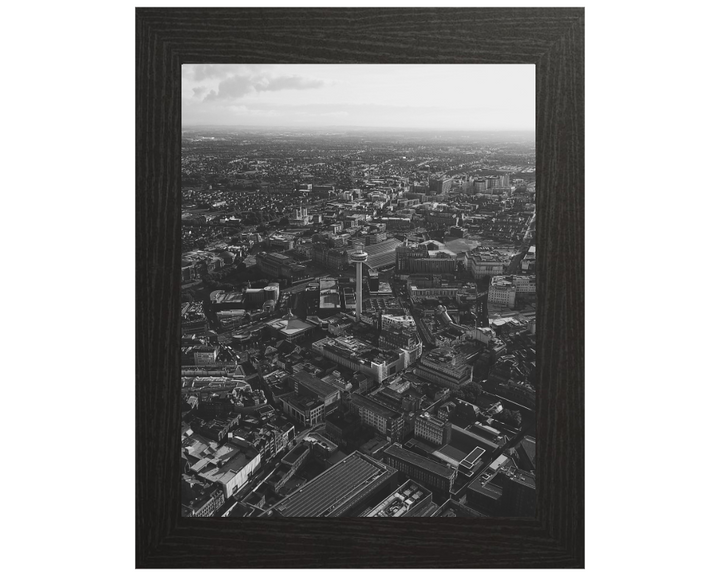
358	323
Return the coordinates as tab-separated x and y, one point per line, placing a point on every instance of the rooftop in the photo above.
280	258
302	403
452	509
374	406
382	254
411	458
225	463
329	493
289	327
409	496
316	385
487	489
220	296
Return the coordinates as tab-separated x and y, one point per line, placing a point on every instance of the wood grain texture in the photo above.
552	39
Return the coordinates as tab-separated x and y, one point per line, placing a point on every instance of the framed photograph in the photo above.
360	288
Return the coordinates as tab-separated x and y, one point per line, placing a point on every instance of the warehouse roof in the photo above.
327	494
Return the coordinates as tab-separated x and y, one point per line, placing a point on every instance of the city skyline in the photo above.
360	96
358	324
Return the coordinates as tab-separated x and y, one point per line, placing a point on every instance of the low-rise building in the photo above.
302	409
502	292
222	300
448	366
525	284
290	327
230	465
204	355
412	258
409	500
281	266
485	262
393	321
437	477
199	497
528	262
310	386
362	357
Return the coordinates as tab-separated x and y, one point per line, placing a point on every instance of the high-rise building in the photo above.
358	257
480	186
439	184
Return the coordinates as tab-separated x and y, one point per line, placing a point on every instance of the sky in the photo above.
412	96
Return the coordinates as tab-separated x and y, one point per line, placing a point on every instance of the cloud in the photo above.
202	72
287	83
199	91
238	86
233	87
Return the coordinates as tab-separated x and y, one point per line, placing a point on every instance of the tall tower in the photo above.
358	257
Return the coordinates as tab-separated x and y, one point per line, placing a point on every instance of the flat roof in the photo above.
473	457
275	256
450	454
407	497
527	445
411	458
333	488
467	440
295	453
486	489
382	253
315	384
301	402
454	509
375	406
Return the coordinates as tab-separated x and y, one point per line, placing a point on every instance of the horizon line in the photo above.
183	126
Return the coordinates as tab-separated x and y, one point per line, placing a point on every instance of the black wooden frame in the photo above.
552	39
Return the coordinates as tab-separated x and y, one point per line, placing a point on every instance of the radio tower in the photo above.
358	257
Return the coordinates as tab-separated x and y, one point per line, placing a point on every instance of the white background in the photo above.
68	319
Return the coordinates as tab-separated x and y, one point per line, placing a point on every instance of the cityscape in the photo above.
358	300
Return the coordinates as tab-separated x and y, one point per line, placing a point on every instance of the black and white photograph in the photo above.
358	290
359	286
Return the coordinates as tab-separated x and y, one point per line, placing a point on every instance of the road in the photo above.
530	228
514	266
